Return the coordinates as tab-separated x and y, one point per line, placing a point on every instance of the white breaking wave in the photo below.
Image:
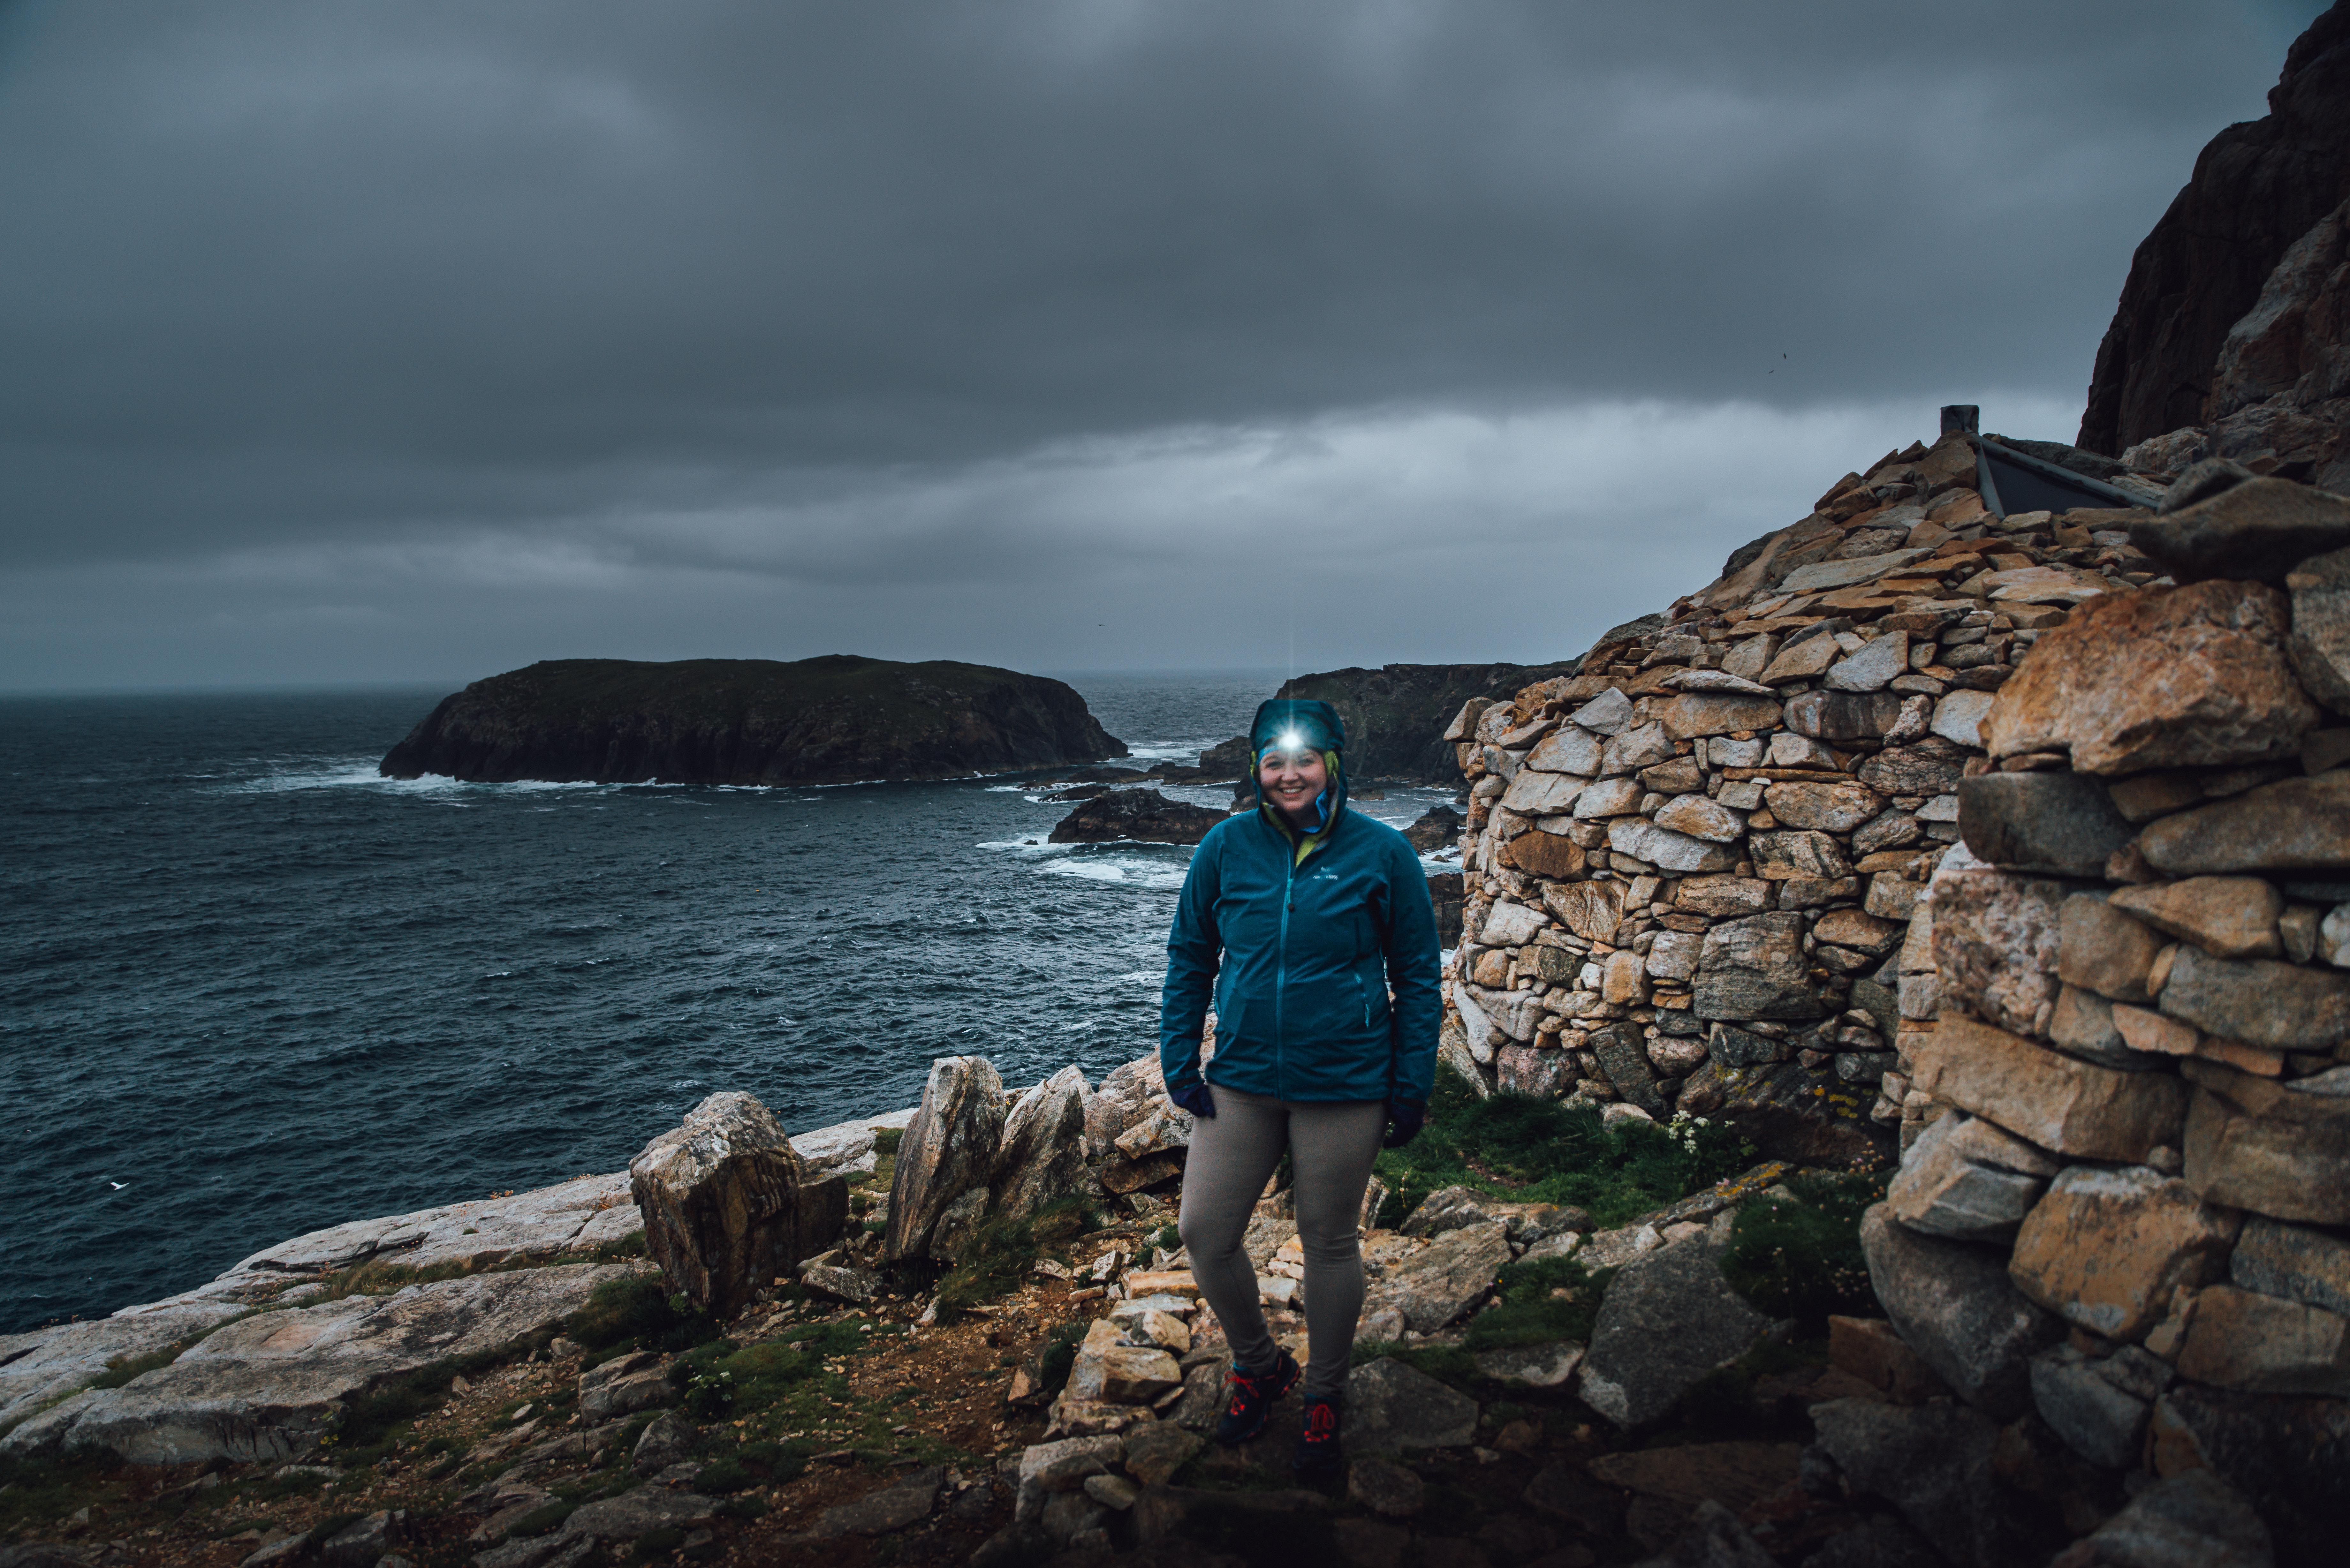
1121	870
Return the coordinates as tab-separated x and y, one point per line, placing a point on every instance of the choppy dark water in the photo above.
265	990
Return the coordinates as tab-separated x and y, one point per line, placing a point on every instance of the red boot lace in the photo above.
1321	1422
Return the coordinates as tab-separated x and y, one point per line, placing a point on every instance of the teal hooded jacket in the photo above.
1298	951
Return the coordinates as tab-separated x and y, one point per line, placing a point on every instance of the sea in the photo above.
249	988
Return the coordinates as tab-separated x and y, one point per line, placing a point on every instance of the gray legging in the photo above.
1234	1154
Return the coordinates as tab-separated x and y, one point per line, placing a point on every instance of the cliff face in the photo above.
835	720
2257	188
1395	716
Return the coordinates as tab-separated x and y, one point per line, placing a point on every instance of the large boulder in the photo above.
947	1151
1935	1463
2194	1517
1392	1407
728	1205
1042	1159
1669	1320
2162	678
1956	1307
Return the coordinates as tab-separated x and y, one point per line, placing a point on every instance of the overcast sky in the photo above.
369	342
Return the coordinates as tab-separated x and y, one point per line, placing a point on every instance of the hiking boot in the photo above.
1254	1394
1319	1460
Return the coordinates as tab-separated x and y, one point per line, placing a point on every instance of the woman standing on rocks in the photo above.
1317	913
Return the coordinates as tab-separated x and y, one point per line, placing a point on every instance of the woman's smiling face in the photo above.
1292	778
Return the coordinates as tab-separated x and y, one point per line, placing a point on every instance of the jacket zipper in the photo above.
1280	974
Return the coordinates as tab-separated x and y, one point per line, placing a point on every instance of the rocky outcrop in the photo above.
2258	187
1141	815
835	720
1042	1159
728	1204
939	1190
269	1386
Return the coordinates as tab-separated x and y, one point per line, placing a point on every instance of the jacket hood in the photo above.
1314	724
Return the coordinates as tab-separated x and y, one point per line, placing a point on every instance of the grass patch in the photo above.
1803	1260
1058	1356
1446	1363
1542	1300
35	1492
791	1403
121	1369
1529	1150
637	1313
364	1426
1002	1254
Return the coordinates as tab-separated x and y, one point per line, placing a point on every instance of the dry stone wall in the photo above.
2138	1079
1691	870
2017	847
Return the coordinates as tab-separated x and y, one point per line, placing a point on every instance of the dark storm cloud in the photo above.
830	294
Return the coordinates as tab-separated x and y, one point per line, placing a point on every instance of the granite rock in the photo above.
2277	1006
1754	968
2257	530
1669	1320
2227	916
1391	1406
1955	1305
2264	1345
2107	1249
1967	1179
1997	941
2053	824
2292	824
948	1150
2057	1102
2104	949
2161	678
1042	1158
2252	1143
2292	1261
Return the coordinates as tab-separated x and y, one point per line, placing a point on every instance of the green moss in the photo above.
1530	1149
365	1424
121	1369
1058	1356
1803	1260
1541	1300
780	1394
658	1543
637	1313
1002	1254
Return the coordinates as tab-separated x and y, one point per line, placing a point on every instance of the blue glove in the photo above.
1195	1098
1405	1118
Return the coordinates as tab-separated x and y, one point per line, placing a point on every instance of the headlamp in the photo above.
1290	740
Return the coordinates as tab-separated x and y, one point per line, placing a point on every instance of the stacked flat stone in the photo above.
1689	869
2138	1082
